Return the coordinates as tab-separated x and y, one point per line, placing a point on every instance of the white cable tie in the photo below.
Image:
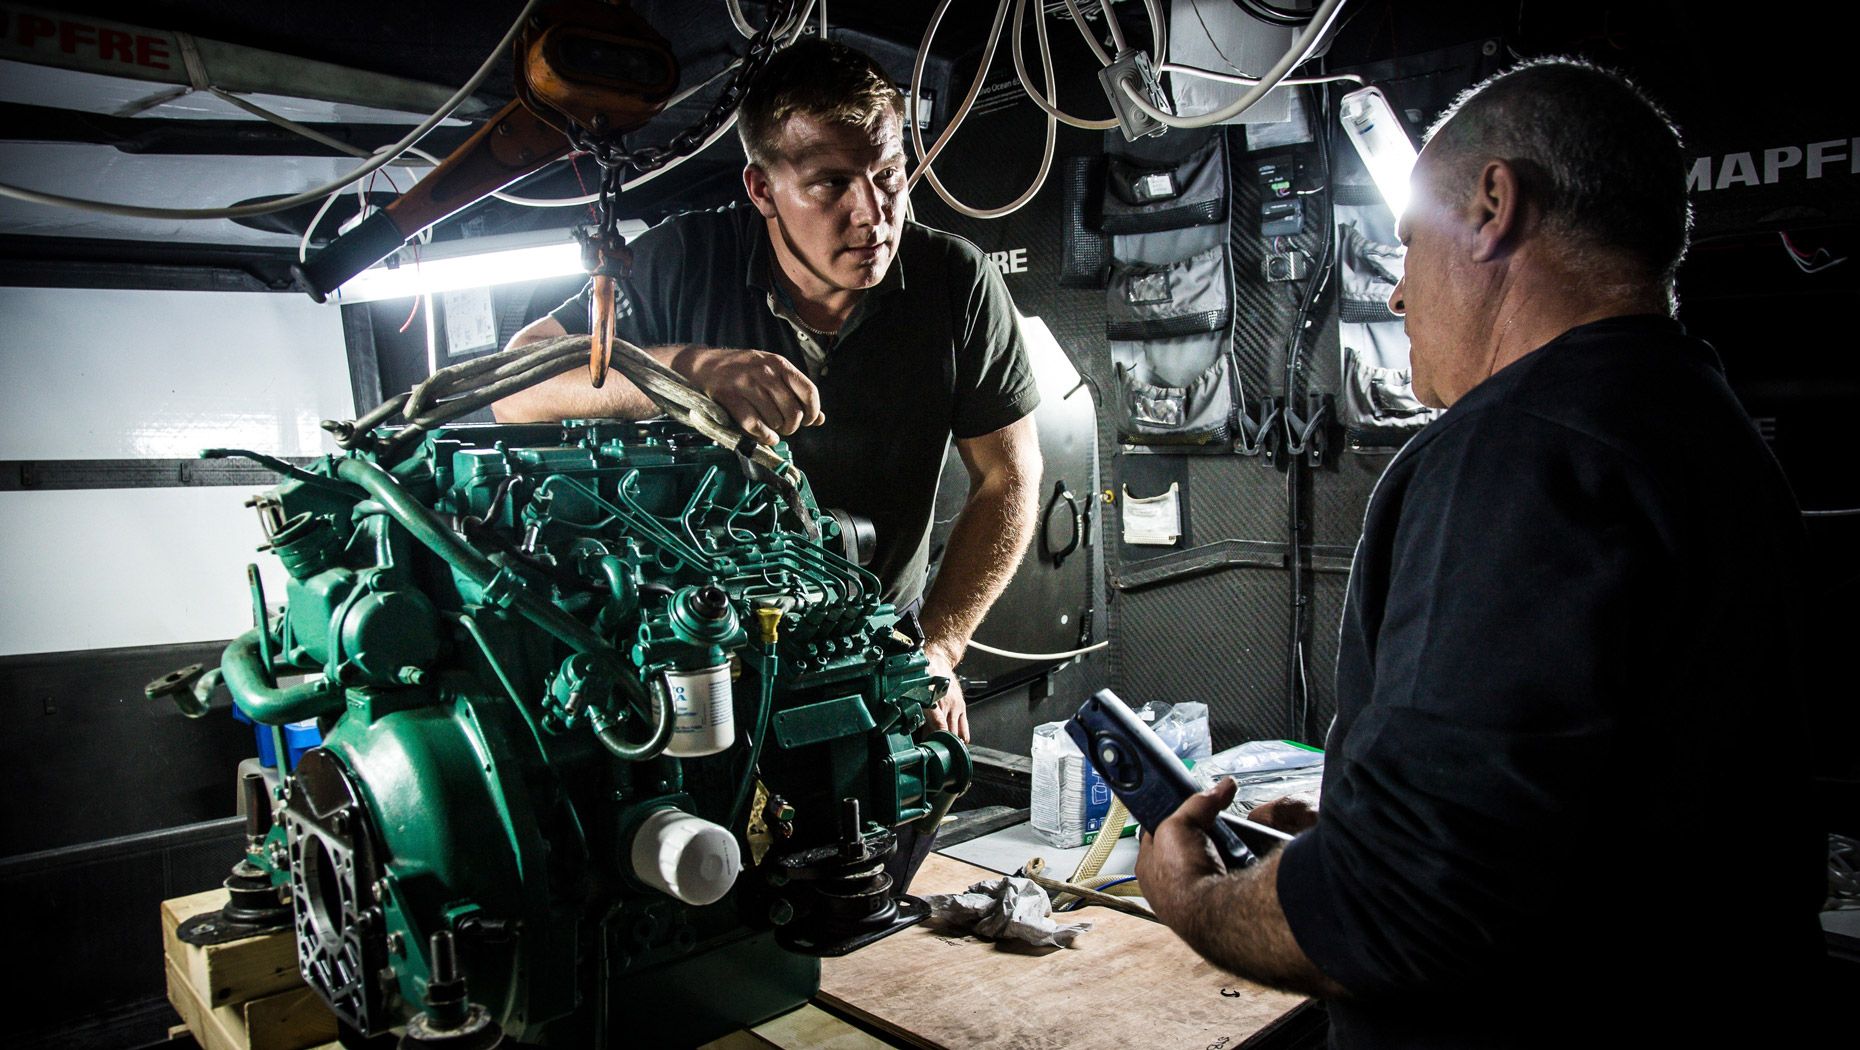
196	77
190	57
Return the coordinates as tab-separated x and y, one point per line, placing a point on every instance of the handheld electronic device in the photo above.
1151	780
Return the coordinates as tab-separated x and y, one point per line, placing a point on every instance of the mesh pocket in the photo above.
1157	302
1174	391
1157	187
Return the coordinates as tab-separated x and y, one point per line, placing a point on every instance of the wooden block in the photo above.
807	1027
741	1039
289	1020
233	972
1129	983
244	994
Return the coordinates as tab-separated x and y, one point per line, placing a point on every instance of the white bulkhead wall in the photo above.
132	374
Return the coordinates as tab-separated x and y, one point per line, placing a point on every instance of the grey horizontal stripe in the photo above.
44	475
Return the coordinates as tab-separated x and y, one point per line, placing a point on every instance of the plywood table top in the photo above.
1129	983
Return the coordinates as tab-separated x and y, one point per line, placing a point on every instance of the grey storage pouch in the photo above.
1152	185
1176	391
1376	392
1371	270
1157	302
1377	406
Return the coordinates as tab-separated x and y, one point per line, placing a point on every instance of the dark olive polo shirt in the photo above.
933	351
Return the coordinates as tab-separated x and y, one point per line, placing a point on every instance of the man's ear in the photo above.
761	194
1497	211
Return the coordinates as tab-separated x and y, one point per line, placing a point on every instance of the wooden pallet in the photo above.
244	994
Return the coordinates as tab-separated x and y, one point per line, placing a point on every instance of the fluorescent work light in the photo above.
1381	142
481	263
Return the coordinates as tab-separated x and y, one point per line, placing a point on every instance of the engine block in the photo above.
617	733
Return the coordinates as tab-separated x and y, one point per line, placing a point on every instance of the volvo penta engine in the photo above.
616	735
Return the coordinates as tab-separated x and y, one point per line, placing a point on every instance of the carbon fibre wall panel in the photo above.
1219	639
1327	593
1340	495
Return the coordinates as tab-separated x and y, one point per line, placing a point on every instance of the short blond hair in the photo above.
817	78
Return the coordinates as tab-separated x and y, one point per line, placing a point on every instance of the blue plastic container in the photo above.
298	738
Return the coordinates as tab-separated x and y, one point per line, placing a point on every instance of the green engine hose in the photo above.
250	682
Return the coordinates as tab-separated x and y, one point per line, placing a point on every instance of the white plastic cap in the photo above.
686	857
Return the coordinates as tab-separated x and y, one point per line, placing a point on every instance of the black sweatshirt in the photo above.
1560	803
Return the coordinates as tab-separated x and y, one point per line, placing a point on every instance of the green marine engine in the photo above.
617	735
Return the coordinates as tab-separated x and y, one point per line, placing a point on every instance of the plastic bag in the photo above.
1183	726
1263	770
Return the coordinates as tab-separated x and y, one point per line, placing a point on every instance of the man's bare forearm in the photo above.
1235	922
983	550
571	396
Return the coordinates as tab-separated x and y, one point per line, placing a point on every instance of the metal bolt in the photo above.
781	913
1489	48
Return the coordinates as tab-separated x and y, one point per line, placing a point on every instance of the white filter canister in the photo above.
686	857
703	715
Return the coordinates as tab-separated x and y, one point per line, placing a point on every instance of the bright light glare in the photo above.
466	271
478	263
1381	142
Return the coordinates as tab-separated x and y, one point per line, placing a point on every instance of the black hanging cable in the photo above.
1297	682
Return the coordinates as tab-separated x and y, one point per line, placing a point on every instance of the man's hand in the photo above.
766	395
1290	814
951	712
1233	918
1175	863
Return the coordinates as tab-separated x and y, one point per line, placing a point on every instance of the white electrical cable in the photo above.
1078	19
981	75
1117	31
1159	35
1313	32
736	16
303	243
1051	109
1159	27
1236	78
926	158
800	23
1012	655
287	123
284	203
